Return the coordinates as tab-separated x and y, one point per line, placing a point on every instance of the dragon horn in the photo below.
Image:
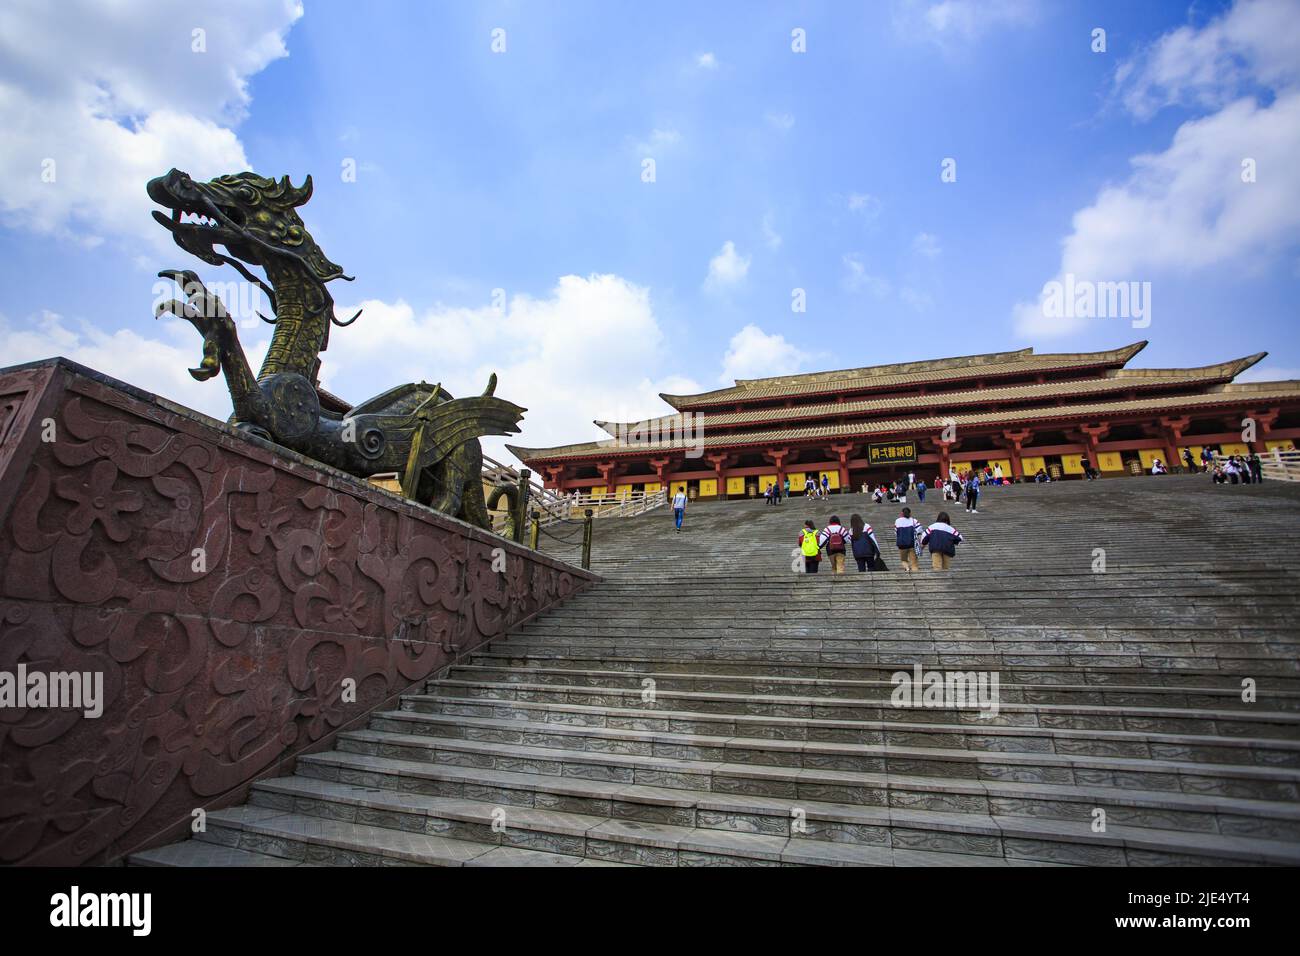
491	385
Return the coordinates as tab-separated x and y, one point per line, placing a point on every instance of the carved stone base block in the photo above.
241	603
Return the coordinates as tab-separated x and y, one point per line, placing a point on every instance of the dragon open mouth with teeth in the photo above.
418	430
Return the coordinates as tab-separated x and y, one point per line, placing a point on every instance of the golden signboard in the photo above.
892	453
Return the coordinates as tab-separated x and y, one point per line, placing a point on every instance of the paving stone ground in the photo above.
706	706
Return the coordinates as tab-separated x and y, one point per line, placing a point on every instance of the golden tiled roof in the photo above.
1229	394
903	373
1117	380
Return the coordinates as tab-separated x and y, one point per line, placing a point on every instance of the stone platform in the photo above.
243	605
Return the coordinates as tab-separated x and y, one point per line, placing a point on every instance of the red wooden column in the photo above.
1015	439
1172	430
556	476
660	465
945	453
720	463
843	452
1092	436
777	456
1263	425
606	469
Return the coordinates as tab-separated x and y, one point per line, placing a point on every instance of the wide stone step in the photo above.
322	841
687	767
960	655
630	731
874	689
560	806
499	655
200	853
599	838
1075	716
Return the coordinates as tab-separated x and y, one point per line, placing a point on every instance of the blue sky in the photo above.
775	170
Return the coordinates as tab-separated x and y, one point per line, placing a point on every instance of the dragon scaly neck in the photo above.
302	319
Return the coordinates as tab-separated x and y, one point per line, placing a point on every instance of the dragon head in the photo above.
255	218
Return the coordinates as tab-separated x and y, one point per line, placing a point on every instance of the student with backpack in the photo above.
972	493
866	549
835	539
942	540
826	486
810	547
905	538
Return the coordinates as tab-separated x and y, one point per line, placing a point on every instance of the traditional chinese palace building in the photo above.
866	425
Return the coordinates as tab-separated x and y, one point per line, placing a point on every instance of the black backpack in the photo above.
863	547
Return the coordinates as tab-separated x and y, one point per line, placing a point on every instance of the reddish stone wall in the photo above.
212	676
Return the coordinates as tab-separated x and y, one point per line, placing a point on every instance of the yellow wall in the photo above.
1031	464
1110	461
678	486
1196	454
1148	455
1004	462
736	486
1286	444
623	491
597	491
708	487
765	480
1072	464
1234	448
652	486
797	478
834	477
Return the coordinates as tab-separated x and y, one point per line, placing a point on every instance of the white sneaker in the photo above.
974	511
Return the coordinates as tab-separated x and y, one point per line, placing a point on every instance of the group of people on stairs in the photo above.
836	542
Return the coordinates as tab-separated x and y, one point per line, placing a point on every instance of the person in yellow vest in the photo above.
810	547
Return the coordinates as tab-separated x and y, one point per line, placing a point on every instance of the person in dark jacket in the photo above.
942	540
866	549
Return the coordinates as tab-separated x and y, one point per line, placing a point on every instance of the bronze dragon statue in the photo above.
418	430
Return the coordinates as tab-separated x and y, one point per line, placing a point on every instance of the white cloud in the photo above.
754	353
781	122
659	141
916	299
156	363
948	21
771	238
1255	42
926	245
1188	208
578	353
115	96
857	278
581	352
727	268
706	61
864	204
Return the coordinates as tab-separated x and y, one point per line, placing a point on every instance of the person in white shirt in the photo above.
679	507
905	532
834	538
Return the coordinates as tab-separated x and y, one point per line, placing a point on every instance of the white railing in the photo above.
606	506
1278	465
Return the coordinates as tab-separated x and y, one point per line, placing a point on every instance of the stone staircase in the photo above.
705	705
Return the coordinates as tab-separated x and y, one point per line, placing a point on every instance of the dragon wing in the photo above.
451	424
